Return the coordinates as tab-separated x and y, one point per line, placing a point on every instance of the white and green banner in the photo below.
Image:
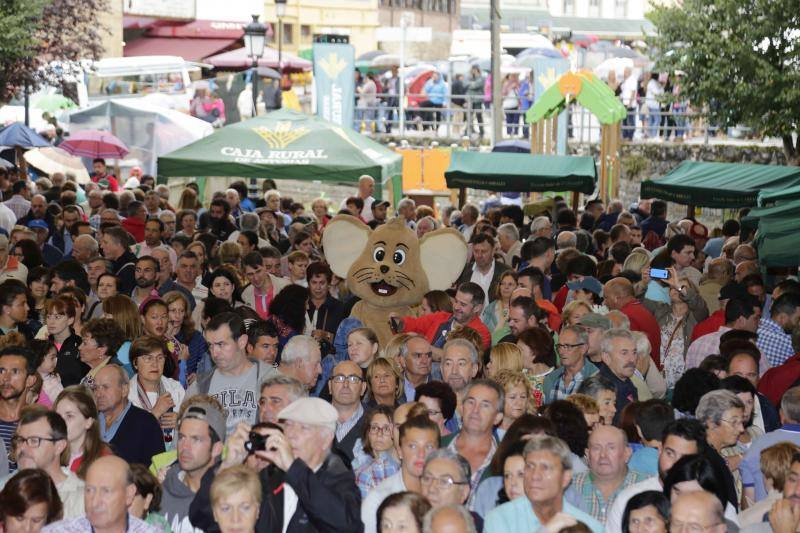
334	66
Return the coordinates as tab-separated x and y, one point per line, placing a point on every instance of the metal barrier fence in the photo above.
460	116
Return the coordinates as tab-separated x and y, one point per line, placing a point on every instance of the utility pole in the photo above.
497	97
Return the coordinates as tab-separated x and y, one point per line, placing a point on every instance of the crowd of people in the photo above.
195	367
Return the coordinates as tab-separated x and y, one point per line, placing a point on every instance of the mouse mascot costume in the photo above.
389	269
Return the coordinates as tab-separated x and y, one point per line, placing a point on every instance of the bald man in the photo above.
347	386
697	511
619	295
366	186
108	493
449	519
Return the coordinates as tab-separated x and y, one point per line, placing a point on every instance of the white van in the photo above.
165	81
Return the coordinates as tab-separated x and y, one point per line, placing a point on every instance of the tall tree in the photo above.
35	32
741	59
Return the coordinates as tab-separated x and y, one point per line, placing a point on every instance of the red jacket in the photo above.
709	325
776	381
644	321
428	325
135	227
560	298
553	316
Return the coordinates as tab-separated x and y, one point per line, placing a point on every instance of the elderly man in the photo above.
366	186
484	270
416	360
548	473
109	493
607	456
698	511
235	380
201	434
573	345
319	491
469	218
84	247
619	295
619	364
39	442
418	438
482	410
510	245
347	386
451	518
445	480
460	365
301	360
541	226
167	217
277	392
407	210
134	434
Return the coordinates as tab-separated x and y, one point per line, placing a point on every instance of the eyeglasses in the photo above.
733	422
339	378
444	482
31	442
385	430
562	347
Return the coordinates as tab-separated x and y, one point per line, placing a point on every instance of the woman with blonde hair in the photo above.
518	397
574	311
392	349
236	499
384	383
230	255
504	356
78	409
124	312
495	314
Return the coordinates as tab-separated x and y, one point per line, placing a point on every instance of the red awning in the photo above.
188	49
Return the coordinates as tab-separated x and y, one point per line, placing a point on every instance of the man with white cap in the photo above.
319	492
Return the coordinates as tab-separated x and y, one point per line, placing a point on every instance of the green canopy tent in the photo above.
719	185
514	172
284	144
778	241
785	209
770	196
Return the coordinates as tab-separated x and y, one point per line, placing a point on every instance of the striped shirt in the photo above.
7	430
343	428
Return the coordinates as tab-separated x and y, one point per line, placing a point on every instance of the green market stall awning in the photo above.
719	185
503	171
770	196
778	241
785	209
284	144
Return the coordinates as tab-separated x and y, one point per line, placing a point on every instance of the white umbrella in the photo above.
617	64
53	159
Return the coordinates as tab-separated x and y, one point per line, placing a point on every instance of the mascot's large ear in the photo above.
443	254
343	240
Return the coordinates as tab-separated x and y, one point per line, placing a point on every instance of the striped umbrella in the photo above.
94	143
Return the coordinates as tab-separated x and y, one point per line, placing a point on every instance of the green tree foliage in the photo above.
34	33
741	58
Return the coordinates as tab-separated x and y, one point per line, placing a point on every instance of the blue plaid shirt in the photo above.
590	500
370	474
773	342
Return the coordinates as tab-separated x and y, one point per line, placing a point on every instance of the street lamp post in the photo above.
255	35
280	11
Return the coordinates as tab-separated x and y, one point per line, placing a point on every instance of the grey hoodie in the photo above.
175	502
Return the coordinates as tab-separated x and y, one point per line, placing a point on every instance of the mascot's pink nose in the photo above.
384	269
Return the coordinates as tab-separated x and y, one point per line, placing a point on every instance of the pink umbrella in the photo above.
94	143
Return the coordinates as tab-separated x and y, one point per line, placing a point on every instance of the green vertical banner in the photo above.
546	72
334	66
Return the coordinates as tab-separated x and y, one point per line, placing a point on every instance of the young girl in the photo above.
46	356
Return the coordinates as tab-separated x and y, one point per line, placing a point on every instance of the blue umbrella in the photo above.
20	135
540	51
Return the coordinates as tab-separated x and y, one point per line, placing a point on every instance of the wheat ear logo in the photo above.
281	136
333	65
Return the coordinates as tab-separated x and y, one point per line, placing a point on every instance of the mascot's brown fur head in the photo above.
390	266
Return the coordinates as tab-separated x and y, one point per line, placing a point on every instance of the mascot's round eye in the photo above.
379	254
399	257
